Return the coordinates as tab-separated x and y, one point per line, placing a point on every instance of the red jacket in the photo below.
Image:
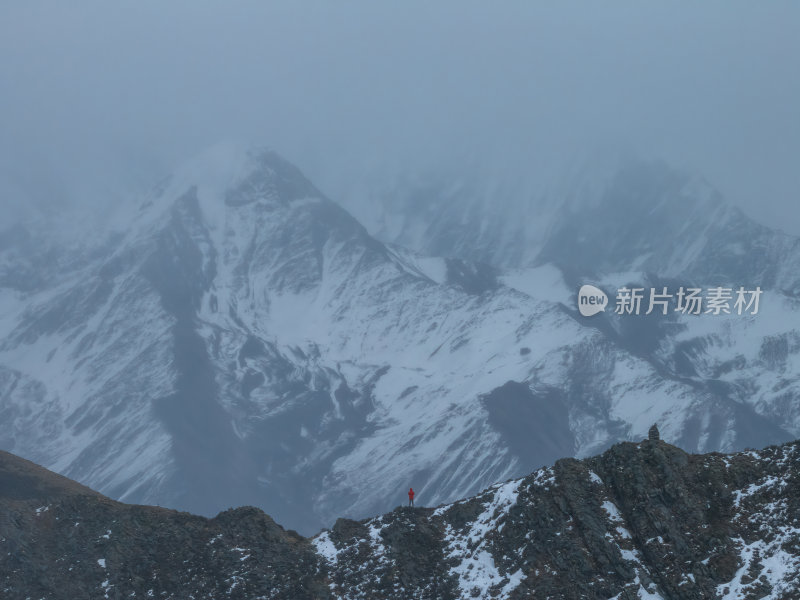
410	493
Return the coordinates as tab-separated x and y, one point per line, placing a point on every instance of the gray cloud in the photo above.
99	97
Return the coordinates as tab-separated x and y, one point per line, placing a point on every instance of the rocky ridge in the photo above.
642	520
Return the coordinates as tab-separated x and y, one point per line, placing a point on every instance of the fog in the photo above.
100	98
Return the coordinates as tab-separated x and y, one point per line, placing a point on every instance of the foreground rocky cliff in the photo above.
640	521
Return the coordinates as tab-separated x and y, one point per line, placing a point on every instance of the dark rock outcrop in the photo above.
653	435
61	540
640	521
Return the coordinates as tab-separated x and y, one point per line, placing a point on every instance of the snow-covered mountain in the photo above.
244	340
617	220
601	214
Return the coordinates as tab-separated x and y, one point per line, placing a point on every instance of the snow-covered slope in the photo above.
649	217
246	341
617	220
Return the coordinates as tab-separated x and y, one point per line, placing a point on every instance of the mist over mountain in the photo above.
104	98
245	340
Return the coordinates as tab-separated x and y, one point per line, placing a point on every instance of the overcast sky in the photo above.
101	94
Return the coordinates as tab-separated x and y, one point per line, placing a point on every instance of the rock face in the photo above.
61	540
653	435
641	520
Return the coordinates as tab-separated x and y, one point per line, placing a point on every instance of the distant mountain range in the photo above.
245	340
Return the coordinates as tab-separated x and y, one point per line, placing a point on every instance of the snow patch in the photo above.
476	570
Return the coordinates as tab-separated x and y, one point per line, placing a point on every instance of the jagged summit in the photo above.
641	520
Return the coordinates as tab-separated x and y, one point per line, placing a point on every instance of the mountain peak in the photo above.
266	176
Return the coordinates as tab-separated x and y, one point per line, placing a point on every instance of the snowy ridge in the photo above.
640	521
768	557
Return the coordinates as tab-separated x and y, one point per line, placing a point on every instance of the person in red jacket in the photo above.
411	496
